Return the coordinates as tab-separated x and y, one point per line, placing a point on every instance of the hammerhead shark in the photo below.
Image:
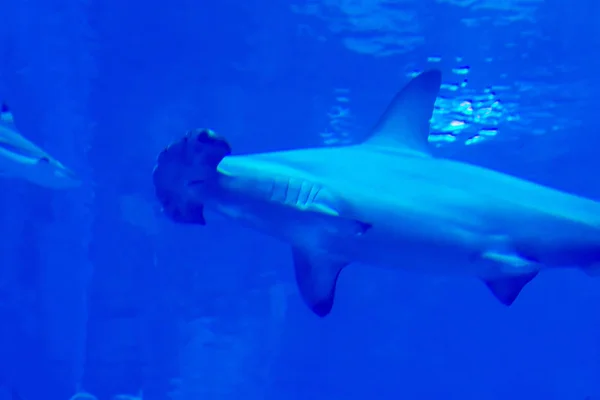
22	159
385	202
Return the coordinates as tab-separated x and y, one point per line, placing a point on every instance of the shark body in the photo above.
385	202
22	159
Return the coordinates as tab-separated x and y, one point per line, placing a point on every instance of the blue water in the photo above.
101	294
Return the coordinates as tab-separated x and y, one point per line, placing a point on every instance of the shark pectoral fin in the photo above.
316	277
507	289
405	122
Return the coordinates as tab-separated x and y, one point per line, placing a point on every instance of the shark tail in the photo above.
184	172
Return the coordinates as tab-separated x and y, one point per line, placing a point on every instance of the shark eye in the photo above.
44	160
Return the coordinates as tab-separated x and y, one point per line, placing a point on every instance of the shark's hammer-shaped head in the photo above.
185	174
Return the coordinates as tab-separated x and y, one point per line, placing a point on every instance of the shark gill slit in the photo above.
304	193
315	189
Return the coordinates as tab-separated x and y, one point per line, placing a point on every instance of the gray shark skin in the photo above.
386	202
22	159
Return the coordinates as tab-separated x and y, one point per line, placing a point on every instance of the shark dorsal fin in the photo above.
405	123
13	141
6	116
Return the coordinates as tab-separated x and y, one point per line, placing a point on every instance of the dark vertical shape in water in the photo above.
113	363
133	338
23	210
22	357
52	44
161	323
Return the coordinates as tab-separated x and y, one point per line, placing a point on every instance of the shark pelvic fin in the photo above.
316	277
507	289
405	122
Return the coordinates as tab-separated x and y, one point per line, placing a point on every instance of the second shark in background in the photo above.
22	159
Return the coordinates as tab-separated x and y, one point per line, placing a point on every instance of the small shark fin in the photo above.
507	289
6	116
405	122
316	276
11	139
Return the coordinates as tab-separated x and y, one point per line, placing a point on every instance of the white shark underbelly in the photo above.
493	226
472	233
